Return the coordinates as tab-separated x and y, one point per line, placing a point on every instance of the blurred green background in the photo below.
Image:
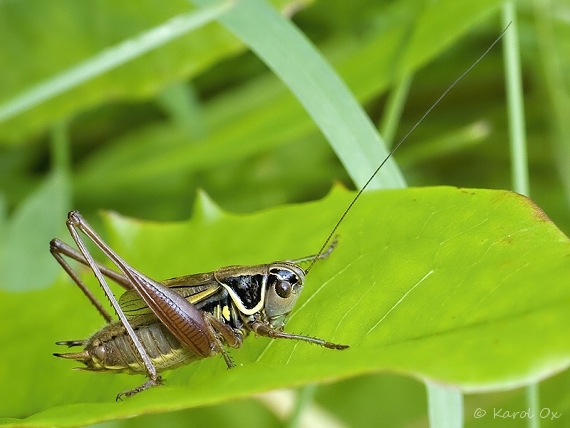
204	112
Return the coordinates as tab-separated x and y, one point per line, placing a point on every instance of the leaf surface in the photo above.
465	287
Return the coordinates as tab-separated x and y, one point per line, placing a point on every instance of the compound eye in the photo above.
283	289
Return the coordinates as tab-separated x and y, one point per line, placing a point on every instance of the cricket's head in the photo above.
284	286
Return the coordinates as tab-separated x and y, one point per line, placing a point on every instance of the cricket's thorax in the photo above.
269	290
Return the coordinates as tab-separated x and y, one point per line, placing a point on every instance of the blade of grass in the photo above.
513	81
394	107
517	139
316	85
304	398
445	406
284	402
111	58
532	396
444	144
369	70
555	79
181	103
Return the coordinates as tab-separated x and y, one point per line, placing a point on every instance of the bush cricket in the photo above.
166	324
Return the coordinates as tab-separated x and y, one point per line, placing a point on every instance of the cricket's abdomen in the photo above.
111	350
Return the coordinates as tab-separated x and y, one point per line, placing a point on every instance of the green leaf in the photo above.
25	261
47	40
263	114
463	287
109	59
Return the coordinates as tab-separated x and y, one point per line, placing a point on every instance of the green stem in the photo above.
520	175
445	406
532	395
181	103
557	89
515	102
304	399
394	108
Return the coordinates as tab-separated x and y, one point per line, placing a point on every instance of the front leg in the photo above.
266	330
220	331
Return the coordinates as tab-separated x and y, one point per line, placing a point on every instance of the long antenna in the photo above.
404	138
